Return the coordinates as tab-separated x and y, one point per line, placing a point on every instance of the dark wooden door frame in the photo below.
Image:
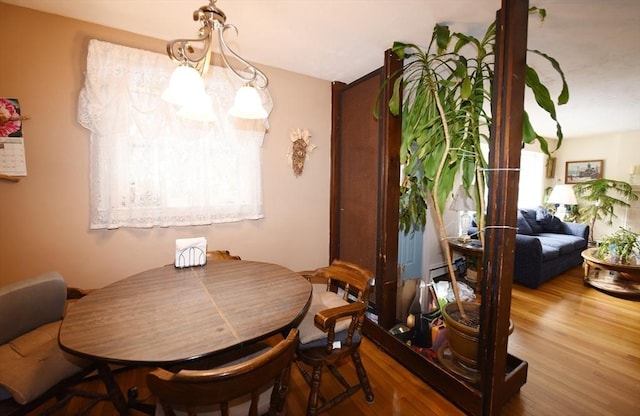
388	192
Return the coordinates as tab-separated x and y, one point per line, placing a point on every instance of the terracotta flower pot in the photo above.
463	339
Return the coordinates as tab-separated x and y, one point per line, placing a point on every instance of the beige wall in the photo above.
620	152
44	218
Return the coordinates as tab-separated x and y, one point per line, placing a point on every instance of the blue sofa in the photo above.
546	246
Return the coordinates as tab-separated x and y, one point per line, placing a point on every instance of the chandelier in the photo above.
186	85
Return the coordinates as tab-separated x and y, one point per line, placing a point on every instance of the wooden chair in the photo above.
236	388
221	255
331	330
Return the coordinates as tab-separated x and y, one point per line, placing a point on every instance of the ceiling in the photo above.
597	43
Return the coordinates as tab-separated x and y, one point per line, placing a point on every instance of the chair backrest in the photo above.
353	283
221	255
200	389
352	278
30	303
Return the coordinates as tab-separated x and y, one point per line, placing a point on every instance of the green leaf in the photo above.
399	48
465	91
528	133
540	91
394	101
442	35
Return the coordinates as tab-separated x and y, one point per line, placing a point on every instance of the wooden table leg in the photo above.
113	390
585	267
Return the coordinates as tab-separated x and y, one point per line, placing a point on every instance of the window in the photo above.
148	167
532	173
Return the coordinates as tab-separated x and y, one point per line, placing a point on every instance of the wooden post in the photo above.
504	164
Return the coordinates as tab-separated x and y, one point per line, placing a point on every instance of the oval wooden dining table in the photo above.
168	316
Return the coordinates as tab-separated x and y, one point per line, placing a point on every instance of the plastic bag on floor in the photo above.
444	291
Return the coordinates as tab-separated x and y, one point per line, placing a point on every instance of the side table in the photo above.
613	278
470	249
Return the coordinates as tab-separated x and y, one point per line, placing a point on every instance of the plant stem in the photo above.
436	205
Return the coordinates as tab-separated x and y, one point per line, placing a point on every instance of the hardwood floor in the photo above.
583	349
582	346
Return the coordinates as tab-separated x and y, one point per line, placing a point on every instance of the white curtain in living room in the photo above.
149	167
532	174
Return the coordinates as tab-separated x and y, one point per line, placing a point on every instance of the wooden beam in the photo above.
389	194
334	219
504	164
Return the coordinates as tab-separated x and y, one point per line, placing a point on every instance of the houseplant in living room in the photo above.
599	195
622	246
444	126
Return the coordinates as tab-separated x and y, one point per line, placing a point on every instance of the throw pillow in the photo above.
543	216
548	221
523	225
529	215
554	226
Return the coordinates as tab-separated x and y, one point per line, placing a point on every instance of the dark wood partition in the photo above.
365	190
364	214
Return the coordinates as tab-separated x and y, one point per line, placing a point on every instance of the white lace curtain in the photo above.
150	167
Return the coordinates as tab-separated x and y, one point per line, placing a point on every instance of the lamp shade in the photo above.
198	108
185	84
462	201
248	104
563	194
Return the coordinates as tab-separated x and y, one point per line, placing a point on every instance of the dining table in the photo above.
170	316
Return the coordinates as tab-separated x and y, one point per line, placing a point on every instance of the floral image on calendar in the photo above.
10	120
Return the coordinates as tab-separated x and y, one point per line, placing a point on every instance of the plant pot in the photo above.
463	338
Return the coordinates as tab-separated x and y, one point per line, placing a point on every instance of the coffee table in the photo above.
614	278
168	316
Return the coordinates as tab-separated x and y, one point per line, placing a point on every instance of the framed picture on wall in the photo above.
583	170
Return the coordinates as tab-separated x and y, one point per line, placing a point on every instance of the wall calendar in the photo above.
12	156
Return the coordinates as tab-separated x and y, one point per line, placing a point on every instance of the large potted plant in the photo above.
445	90
601	201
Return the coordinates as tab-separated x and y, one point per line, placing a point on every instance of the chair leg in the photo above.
362	376
312	404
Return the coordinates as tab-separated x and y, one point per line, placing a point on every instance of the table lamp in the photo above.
464	204
562	195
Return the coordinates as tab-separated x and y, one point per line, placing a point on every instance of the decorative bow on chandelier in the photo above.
186	86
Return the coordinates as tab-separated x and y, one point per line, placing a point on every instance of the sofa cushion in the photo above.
523	225
33	362
321	300
565	242
549	252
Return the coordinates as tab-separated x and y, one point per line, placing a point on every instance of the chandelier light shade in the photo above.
186	86
185	83
248	104
199	108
